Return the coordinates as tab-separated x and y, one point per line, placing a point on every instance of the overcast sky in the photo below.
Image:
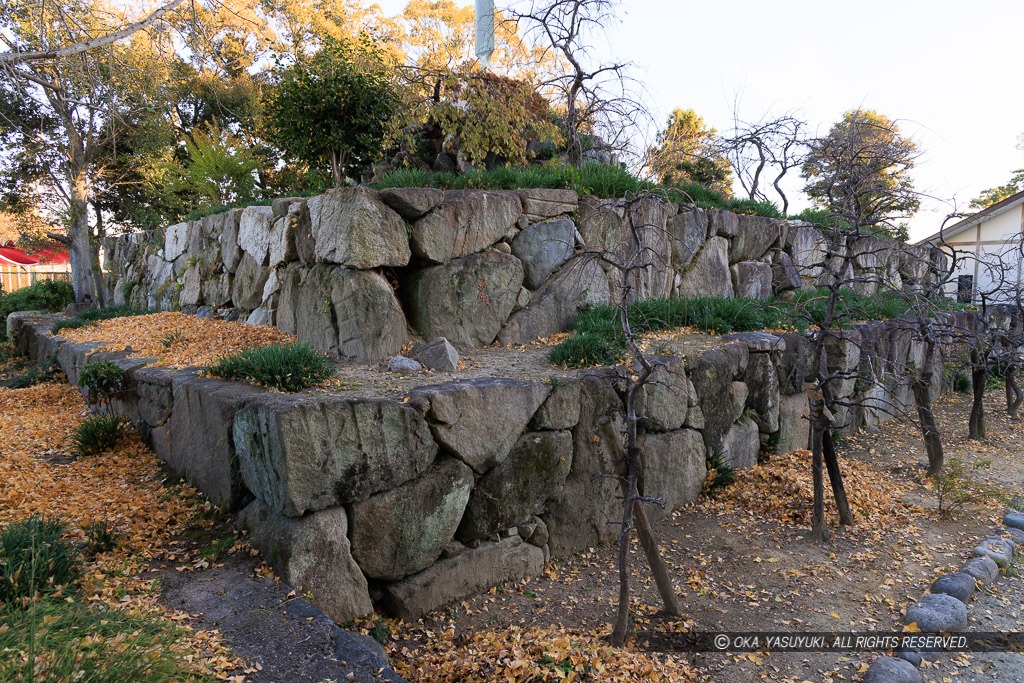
947	71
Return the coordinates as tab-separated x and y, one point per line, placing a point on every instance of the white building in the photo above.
987	248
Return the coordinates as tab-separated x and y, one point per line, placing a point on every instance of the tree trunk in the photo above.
621	629
818	427
835	476
80	243
929	429
662	579
979	374
1014	396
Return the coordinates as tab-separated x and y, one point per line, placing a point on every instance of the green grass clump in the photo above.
720	474
46	295
54	640
35	558
97	433
590	178
597	336
287	367
44	371
92	315
101	536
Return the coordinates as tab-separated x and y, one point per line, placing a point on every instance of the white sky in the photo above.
947	71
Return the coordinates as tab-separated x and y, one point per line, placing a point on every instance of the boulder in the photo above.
281	242
578	515
675	467
230	252
466	300
561	409
723	223
937	613
984	569
254	232
203	448
313	555
741	445
708	273
602	225
999	550
351	314
892	670
466	574
794	427
755	236
751	279
175	241
543	248
465	222
961	586
191	290
352	227
711	375
796	363
216	291
438	355
247	287
687	231
785	275
757	342
403	366
541	204
305	453
259	316
479	420
514	490
842	351
1014	520
762	381
412	203
807	248
403	530
663	400
553	307
738	393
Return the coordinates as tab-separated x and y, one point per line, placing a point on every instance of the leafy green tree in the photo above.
686	153
332	108
860	173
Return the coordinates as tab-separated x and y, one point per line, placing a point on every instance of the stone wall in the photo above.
416	501
358	273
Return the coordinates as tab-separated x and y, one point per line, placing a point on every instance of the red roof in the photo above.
9	254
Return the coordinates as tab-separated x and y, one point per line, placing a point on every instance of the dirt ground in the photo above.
737	571
527	362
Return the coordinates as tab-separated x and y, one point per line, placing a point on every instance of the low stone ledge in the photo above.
459	577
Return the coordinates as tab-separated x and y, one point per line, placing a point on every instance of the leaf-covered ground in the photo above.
742	561
175	339
124	486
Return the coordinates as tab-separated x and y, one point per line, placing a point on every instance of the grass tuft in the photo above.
35	558
97	433
287	367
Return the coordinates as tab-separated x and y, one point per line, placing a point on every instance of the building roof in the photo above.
11	255
16	257
983	215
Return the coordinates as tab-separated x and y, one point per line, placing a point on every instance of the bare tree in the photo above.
598	97
763	152
639	256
